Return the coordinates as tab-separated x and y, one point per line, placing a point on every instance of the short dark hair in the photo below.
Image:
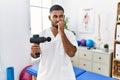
56	7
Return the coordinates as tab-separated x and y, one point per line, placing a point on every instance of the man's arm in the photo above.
69	48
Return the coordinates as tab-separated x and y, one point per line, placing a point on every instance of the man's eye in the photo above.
61	16
55	16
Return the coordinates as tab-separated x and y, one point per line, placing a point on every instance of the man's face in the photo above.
56	16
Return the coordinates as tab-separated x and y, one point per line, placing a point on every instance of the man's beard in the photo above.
55	25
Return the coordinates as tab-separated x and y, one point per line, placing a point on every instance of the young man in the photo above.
55	63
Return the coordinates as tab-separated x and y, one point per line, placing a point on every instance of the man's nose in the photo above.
58	18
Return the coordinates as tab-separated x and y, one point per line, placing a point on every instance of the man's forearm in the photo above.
68	47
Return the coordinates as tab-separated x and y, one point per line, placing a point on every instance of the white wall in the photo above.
14	28
14	36
107	11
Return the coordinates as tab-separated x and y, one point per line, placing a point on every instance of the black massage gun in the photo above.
36	39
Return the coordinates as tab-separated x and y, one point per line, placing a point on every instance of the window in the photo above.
39	15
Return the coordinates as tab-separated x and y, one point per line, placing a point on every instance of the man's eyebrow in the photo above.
59	15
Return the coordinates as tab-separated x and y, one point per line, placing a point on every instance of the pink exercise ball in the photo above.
24	75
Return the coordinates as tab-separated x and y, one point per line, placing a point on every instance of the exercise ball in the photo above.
78	42
24	75
83	42
89	43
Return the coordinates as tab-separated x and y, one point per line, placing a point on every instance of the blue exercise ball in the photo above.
89	43
83	42
78	42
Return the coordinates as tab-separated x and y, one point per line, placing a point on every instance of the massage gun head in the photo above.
36	39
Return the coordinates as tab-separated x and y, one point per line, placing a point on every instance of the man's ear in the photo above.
49	17
64	16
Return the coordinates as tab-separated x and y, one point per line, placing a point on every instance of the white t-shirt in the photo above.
55	64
